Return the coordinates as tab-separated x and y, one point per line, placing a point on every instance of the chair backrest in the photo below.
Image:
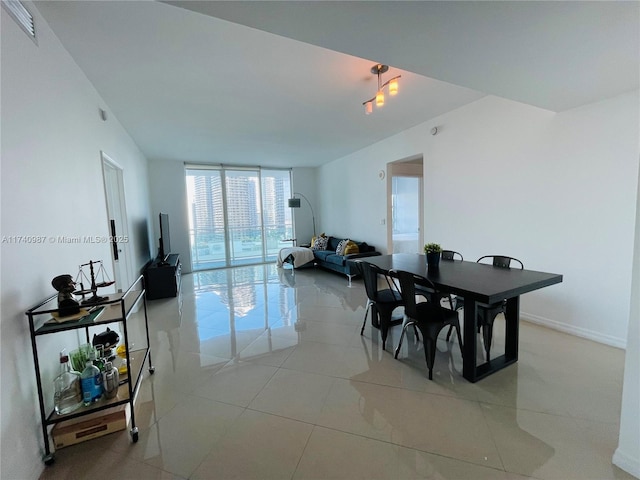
408	282
451	255
370	274
502	261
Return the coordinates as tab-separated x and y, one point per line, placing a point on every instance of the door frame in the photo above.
117	210
412	166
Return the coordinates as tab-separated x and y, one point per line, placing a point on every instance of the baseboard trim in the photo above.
627	463
577	331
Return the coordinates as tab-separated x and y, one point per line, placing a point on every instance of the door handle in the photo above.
114	243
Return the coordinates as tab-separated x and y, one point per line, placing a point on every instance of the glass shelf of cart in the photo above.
138	357
113	308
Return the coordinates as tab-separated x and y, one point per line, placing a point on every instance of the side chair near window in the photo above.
381	302
430	317
487	313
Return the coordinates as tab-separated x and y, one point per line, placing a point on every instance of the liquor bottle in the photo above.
91	379
68	391
99	360
111	381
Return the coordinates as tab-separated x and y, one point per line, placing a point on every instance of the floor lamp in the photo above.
295	203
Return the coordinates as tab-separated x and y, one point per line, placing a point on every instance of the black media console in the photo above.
162	279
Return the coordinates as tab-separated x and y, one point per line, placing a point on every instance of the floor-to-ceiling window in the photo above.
237	215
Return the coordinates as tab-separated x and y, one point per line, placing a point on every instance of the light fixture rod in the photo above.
385	84
313	215
390	80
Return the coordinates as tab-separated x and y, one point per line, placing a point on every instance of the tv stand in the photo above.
163	277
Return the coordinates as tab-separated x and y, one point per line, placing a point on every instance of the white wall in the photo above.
51	185
627	455
557	191
168	189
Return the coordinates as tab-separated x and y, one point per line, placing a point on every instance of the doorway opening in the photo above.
405	206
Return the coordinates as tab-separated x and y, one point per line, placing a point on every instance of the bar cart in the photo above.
116	308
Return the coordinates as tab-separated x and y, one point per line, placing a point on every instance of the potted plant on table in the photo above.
433	251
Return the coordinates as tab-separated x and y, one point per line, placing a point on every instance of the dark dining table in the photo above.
476	283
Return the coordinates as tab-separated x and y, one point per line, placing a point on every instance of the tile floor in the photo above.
261	373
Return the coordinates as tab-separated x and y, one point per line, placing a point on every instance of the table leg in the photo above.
512	320
470	370
470	349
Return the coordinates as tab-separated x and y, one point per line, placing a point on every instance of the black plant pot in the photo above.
433	260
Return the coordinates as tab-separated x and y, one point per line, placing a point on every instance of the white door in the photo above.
117	218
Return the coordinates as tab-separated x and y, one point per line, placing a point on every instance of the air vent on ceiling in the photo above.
21	15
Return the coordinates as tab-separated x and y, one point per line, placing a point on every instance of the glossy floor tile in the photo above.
261	373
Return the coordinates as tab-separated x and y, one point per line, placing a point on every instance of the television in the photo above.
165	240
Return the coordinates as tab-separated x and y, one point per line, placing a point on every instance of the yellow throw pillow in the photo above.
351	248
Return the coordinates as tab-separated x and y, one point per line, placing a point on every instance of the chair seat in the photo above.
426	310
389	296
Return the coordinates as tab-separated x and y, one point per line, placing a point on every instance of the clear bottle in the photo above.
91	379
111	381
68	390
99	360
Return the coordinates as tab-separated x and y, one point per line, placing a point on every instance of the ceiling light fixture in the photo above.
378	70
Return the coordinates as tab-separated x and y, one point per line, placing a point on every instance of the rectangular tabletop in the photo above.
476	283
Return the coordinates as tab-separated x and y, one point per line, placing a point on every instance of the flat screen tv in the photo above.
165	240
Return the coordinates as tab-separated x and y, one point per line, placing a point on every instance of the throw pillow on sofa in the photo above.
320	243
342	245
351	247
313	239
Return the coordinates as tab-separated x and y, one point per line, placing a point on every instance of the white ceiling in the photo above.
282	83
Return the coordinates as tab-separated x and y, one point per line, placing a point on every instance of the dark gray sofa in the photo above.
340	263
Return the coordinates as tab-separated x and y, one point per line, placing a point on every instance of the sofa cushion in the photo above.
335	259
332	244
322	254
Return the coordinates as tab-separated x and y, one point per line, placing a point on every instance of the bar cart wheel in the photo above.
49	459
134	434
152	370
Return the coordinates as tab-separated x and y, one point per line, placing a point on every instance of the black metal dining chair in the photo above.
487	313
451	255
429	317
381	302
447	255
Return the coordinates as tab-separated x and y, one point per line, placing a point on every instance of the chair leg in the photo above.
415	330
450	302
375	318
402	334
449	332
430	354
366	313
487	333
459	339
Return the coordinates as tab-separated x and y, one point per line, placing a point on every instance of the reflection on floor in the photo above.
262	373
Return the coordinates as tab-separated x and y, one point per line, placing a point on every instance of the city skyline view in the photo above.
237	216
